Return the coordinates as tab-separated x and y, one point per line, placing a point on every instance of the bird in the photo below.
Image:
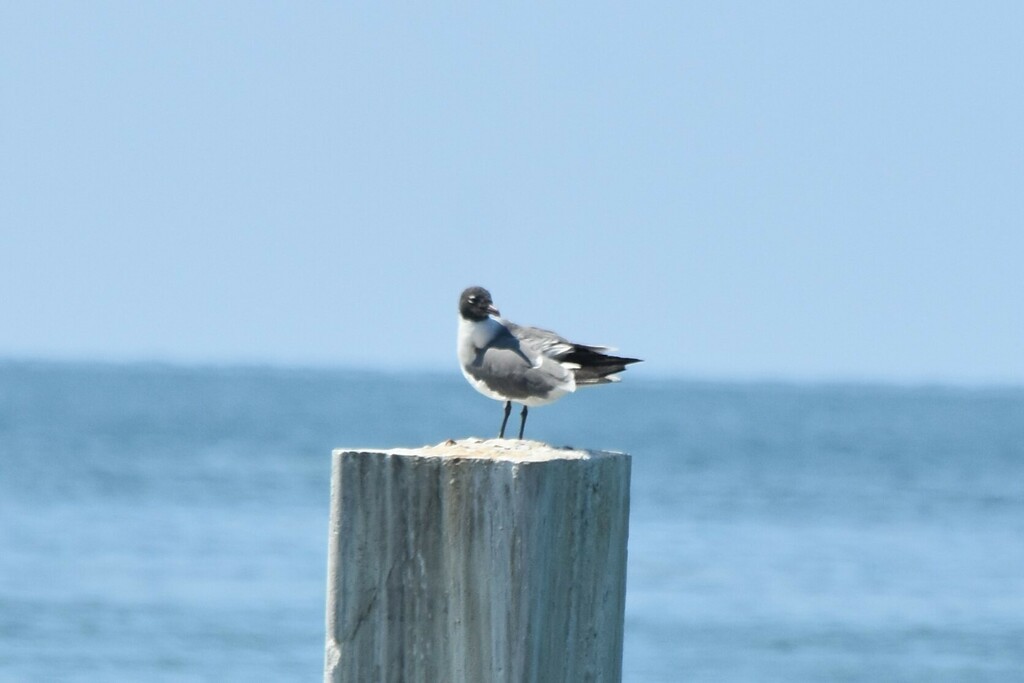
525	365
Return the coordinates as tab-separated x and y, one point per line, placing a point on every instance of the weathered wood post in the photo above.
477	562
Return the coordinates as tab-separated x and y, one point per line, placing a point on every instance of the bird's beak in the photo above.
492	310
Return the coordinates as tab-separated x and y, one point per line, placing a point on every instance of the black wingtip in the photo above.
588	358
596	367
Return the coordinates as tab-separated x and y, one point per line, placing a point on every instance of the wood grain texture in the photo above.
477	561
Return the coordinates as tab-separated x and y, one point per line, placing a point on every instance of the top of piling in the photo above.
515	450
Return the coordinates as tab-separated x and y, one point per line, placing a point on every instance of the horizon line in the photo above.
671	375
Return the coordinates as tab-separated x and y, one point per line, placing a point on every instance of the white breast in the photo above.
475	335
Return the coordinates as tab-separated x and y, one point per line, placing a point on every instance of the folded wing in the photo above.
589	364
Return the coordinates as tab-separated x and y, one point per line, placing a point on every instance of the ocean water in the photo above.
170	524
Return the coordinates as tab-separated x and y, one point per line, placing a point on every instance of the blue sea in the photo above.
165	523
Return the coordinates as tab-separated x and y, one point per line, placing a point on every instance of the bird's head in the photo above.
475	304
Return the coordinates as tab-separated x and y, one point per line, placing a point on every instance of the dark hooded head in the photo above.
475	304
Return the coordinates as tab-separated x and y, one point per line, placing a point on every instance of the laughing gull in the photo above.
507	362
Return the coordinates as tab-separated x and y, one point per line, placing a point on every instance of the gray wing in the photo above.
518	370
549	343
589	364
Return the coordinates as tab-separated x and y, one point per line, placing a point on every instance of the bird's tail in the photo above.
590	366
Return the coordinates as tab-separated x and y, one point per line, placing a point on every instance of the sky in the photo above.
740	190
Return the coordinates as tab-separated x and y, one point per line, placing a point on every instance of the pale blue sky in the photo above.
795	190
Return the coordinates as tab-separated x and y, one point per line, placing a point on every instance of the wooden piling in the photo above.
477	561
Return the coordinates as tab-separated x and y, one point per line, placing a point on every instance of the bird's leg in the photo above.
522	425
508	410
